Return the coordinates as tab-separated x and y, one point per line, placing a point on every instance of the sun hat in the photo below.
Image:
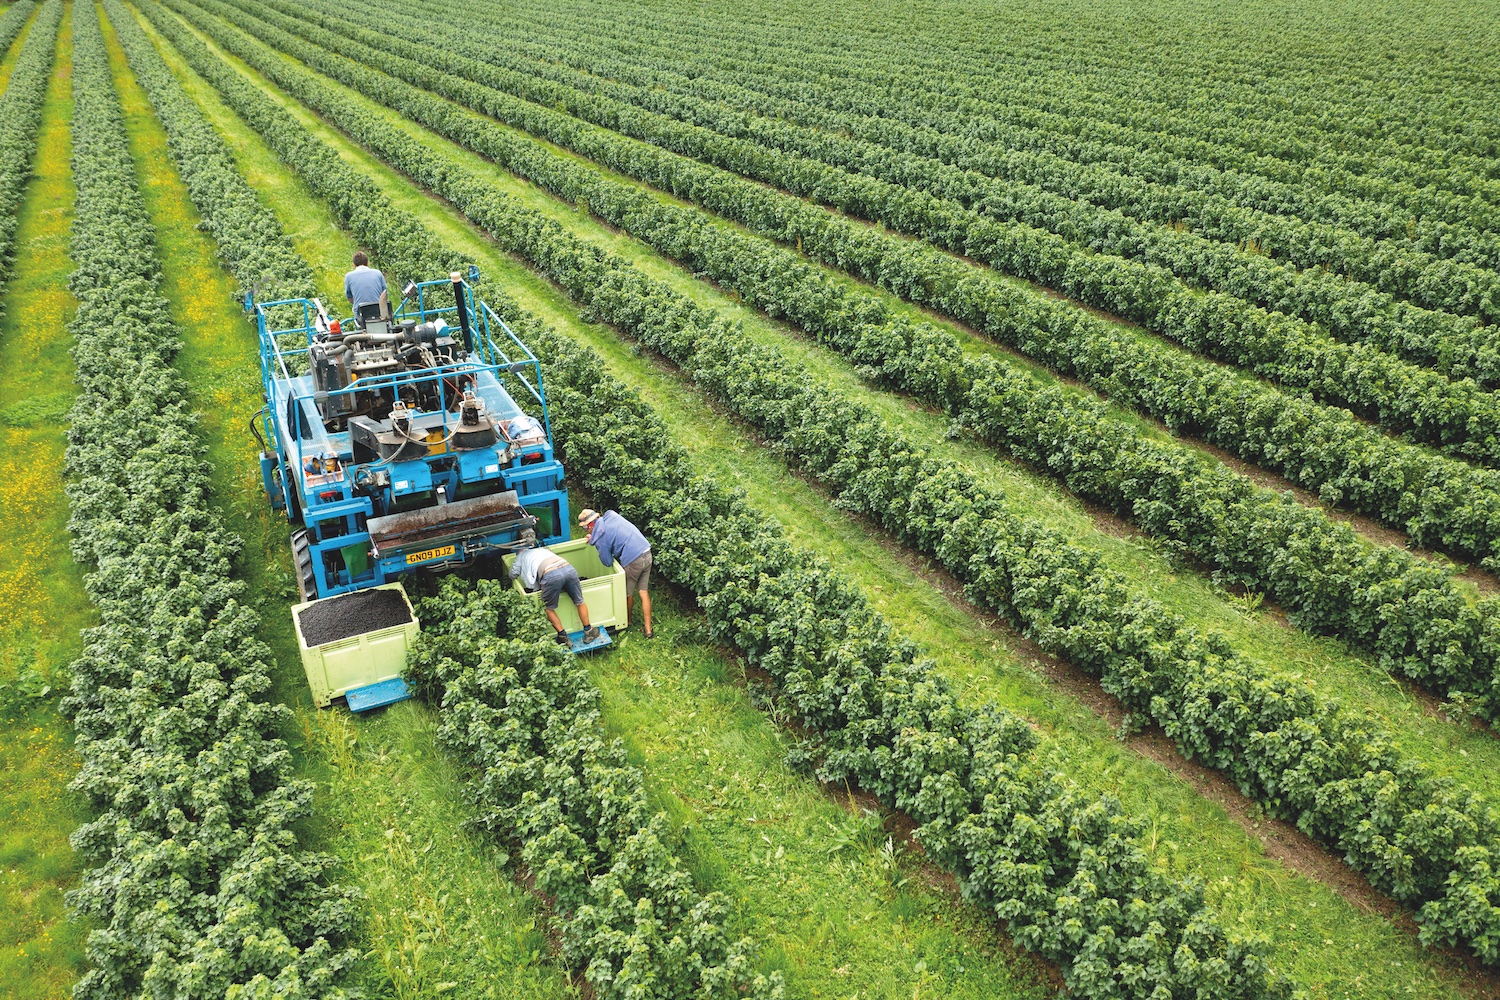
587	518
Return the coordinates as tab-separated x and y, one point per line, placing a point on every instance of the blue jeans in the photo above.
558	580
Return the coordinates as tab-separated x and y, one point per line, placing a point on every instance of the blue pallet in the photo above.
362	699
577	645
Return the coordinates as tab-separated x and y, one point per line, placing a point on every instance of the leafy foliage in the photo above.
1404	609
21	115
1107	954
524	715
1423	839
197	881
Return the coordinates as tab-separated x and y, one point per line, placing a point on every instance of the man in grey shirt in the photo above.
364	285
539	568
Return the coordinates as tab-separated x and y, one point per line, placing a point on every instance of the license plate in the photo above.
417	557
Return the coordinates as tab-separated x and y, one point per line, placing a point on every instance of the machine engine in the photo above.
339	358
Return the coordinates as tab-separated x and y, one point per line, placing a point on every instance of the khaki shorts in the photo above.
638	573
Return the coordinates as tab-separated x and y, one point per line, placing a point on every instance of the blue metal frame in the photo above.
336	506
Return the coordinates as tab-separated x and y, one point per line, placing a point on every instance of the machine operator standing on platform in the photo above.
366	286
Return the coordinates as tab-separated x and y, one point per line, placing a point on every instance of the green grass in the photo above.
1464	752
834	922
837	899
1371	958
41	589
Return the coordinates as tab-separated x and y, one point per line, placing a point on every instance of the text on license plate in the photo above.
416	557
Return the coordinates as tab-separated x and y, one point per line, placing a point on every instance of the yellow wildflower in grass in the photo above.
41	589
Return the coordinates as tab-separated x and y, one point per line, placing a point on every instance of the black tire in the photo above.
302	565
293	501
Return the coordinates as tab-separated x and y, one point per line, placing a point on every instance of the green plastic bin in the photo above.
603	589
356	660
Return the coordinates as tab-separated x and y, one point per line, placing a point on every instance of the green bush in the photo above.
21	115
1101	941
194	873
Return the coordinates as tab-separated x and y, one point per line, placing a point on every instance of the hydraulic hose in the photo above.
255	429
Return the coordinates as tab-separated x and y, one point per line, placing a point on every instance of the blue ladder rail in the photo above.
577	645
377	695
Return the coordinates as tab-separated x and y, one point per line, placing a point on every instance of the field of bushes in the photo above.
1068	435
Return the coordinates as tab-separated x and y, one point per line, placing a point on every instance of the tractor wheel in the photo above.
302	565
293	502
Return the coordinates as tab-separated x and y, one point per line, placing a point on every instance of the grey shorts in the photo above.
638	573
558	580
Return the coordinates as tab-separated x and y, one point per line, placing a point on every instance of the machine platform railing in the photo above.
279	357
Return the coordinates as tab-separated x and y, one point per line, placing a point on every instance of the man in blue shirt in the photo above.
365	285
619	541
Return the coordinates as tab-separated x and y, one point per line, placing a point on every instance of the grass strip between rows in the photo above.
1429	842
1406	611
196	877
46	608
1440	502
1073	883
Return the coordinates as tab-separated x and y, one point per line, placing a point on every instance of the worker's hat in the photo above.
587	518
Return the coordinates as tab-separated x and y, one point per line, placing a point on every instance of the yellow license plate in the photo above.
416	557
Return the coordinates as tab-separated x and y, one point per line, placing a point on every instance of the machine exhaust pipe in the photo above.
463	310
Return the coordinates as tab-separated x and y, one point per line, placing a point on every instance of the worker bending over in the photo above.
366	286
617	540
539	568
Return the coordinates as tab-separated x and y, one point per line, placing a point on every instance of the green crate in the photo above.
603	589
368	658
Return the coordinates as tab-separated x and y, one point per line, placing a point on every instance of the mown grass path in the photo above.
841	913
1302	916
41	588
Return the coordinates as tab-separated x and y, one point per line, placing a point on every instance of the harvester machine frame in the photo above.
394	440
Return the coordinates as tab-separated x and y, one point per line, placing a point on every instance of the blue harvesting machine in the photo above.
393	441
